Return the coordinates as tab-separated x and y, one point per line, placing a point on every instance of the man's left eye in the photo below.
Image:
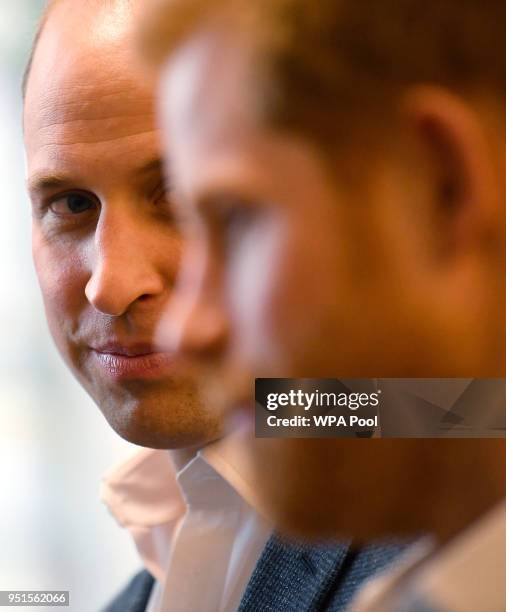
234	219
73	204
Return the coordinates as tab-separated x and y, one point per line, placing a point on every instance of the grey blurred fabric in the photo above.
467	574
289	577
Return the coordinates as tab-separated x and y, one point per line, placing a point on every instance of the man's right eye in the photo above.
72	204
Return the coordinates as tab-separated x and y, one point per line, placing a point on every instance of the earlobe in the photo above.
454	139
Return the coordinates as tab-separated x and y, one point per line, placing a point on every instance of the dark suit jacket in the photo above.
289	578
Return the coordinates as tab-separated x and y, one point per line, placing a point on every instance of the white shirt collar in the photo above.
144	495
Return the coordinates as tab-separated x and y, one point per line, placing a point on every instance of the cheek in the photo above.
306	304
297	294
284	292
62	276
254	289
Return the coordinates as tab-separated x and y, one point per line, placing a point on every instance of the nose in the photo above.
196	324
124	267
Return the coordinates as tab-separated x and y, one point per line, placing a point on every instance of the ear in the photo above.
454	139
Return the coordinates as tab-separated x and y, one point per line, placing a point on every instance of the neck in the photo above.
180	457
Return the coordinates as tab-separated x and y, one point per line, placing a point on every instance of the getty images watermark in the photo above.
380	407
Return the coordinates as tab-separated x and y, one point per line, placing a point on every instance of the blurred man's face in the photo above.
104	241
289	273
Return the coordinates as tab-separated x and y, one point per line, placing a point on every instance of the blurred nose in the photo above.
123	268
196	323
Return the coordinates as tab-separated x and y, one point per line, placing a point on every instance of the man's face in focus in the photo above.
104	242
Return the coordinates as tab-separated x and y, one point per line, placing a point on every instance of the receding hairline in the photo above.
38	34
46	13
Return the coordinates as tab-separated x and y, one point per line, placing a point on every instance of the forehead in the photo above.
207	84
208	103
215	132
87	86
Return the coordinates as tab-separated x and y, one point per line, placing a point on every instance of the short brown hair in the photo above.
325	57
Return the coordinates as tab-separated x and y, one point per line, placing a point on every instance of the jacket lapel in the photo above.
294	576
135	596
361	565
297	577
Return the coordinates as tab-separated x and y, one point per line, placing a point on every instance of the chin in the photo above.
179	423
164	437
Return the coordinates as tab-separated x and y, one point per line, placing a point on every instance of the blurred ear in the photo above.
453	140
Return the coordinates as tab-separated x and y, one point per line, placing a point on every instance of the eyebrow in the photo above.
49	182
155	165
46	182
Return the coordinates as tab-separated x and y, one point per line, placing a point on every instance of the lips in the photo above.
135	361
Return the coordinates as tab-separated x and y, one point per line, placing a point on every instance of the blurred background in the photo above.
55	534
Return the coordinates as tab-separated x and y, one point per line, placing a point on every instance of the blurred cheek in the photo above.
256	293
283	292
